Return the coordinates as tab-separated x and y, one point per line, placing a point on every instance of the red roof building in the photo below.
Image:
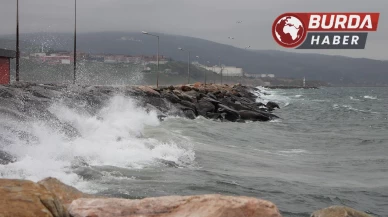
5	65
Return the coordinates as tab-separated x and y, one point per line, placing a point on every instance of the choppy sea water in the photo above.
330	147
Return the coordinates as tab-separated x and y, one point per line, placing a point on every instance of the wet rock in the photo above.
6	158
213	116
186	97
186	88
6	93
189	105
200	96
204	107
66	194
215	102
212	96
231	114
272	105
149	91
159	113
171	97
28	199
339	211
253	116
189	114
175	206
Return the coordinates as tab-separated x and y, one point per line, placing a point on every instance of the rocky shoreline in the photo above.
234	103
51	198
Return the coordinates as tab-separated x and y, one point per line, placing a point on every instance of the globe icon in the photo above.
289	31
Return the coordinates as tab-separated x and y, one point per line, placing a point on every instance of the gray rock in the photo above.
6	158
204	106
189	114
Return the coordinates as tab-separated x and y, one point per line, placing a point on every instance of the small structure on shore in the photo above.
5	65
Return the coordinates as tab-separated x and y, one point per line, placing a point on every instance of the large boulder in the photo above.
149	91
66	194
272	105
186	88
28	199
205	106
231	114
253	116
339	211
171	97
175	206
189	105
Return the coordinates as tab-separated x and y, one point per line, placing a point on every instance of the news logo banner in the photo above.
324	30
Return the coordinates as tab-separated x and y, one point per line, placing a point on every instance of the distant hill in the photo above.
337	70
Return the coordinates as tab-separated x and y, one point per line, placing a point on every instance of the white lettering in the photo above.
324	19
340	21
326	40
367	21
315	40
336	40
314	21
355	39
346	39
357	23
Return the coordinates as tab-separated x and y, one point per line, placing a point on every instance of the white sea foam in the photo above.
265	95
113	137
354	99
370	97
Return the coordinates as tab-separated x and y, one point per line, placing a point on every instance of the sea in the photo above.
329	147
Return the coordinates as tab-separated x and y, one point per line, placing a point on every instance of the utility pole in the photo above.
188	70
219	61
157	73
17	42
157	57
75	41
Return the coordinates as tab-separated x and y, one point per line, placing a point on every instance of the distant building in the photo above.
229	71
55	60
5	62
252	75
259	75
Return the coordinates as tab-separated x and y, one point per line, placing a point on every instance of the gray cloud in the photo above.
209	19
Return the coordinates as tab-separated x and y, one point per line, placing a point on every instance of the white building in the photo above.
230	71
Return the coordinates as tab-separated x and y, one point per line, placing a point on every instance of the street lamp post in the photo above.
157	57
206	71
17	41
219	61
75	42
188	66
199	62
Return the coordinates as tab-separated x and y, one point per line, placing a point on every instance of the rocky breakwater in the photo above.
235	103
51	198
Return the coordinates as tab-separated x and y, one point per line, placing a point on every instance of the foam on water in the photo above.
265	95
113	137
370	97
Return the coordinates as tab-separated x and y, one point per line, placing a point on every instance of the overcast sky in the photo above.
208	19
